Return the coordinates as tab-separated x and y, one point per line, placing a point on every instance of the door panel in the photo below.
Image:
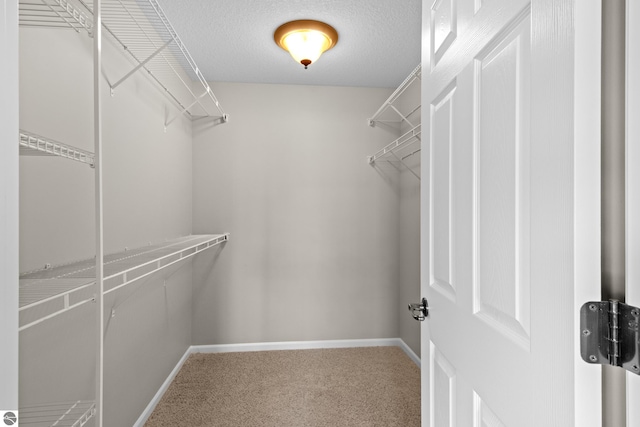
485	417
501	220
443	390
498	213
441	121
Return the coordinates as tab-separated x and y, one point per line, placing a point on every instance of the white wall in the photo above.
147	198
410	223
9	205
409	254
314	229
56	195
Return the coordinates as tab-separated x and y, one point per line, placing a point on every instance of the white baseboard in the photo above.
307	345
163	388
268	346
412	355
294	345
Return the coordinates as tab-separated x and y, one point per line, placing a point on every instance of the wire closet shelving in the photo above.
35	145
141	28
143	31
53	290
71	414
54	14
402	143
390	114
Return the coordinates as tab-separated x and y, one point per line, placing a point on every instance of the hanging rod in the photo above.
415	74
413	153
32	144
401	160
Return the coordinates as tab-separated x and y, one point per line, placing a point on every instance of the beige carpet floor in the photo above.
371	386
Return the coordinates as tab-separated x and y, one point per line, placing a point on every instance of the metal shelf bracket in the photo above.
140	65
389	103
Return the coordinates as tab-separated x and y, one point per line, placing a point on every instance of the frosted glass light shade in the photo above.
306	40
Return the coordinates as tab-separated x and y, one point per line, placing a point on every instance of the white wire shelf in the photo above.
54	14
35	145
380	116
74	414
406	140
400	149
145	33
54	290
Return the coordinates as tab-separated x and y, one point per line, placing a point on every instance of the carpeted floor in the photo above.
371	386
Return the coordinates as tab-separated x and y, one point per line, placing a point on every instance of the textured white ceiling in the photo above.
232	40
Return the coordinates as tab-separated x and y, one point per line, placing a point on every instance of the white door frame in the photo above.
633	191
587	117
9	269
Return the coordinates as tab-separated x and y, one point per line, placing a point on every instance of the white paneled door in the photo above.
502	212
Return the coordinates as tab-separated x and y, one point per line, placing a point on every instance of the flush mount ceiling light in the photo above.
306	39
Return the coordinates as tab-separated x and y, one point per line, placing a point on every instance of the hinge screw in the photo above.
593	307
636	313
593	358
586	332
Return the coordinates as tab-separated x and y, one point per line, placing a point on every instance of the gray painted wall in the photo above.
410	227
409	254
147	198
314	242
9	206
